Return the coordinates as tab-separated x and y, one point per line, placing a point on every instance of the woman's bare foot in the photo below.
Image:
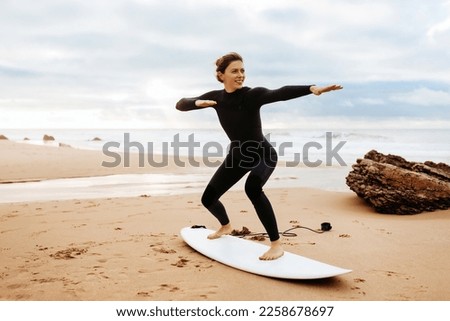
225	229
275	251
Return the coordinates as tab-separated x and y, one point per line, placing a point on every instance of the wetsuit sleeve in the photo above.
186	104
266	96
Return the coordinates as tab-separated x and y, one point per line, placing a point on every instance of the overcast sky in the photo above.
125	63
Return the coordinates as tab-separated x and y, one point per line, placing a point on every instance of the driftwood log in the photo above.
392	185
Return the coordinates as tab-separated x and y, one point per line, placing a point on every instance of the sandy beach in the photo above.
129	248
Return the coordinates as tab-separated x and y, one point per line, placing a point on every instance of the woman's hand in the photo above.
205	103
320	90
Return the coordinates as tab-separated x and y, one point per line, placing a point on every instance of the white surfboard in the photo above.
244	255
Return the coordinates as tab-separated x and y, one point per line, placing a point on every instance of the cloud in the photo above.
423	97
371	101
440	30
129	61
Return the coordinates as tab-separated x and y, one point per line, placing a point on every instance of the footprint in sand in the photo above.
78	226
92	204
398	275
164	250
382	230
15	286
144	294
182	262
357	288
70	253
169	287
41	248
203	266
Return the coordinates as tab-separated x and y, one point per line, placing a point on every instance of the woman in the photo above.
238	109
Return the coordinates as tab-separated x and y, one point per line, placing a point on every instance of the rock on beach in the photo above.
393	185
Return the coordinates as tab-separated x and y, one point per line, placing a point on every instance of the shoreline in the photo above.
129	248
53	170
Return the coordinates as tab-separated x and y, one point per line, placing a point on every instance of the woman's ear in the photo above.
220	76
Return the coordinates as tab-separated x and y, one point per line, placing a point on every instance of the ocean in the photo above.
307	158
413	144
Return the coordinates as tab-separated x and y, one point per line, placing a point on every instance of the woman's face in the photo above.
234	76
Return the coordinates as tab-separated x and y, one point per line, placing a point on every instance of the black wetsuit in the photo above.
239	115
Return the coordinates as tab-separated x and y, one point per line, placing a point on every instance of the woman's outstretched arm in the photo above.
262	96
203	101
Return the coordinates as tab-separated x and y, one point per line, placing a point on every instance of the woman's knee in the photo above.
209	196
253	187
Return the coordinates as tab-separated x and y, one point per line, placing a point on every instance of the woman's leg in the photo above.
254	189
225	177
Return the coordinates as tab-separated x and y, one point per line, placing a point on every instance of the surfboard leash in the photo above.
324	227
